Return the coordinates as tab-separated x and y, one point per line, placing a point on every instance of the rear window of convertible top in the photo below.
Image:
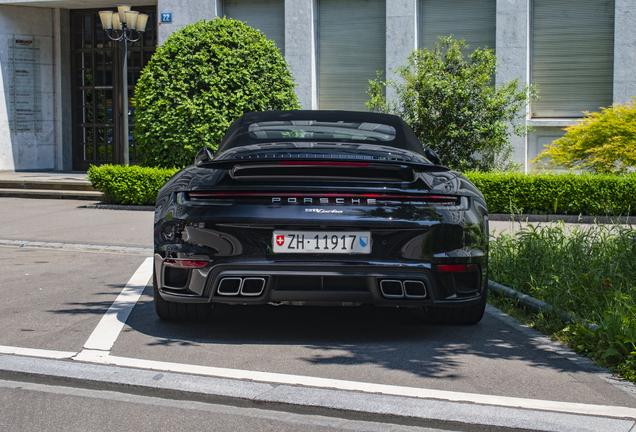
317	130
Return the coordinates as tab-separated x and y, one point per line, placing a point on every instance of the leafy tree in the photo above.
453	106
603	142
199	81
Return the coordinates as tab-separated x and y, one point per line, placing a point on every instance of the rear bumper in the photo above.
381	284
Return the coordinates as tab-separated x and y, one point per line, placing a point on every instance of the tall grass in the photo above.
587	271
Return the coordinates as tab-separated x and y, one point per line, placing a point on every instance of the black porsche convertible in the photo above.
321	208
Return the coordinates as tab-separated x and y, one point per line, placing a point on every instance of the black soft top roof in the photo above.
238	135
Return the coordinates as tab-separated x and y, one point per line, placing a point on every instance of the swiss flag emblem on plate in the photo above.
280	240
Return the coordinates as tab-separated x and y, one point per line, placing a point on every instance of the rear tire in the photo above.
170	311
463	315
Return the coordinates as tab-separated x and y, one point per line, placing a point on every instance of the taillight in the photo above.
183	263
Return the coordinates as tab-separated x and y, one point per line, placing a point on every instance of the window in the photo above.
471	20
572	56
268	16
351	48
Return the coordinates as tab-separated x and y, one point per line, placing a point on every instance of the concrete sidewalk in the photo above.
47	184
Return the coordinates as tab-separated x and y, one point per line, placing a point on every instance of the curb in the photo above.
537	305
103	206
503	217
427	412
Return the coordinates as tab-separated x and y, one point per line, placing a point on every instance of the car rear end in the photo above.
321	224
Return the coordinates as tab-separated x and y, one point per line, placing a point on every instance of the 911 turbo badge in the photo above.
325	207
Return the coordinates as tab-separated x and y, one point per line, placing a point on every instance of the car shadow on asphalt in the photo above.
392	338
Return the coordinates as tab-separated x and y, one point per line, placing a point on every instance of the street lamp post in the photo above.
121	26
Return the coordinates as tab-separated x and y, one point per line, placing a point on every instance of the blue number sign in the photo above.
166	17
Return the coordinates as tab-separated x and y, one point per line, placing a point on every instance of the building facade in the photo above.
60	76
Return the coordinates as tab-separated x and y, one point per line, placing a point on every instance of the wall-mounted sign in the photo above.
25	94
166	17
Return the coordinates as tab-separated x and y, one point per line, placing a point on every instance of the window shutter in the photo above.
474	21
268	16
351	48
572	56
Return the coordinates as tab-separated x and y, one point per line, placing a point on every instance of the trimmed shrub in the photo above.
133	185
587	194
204	77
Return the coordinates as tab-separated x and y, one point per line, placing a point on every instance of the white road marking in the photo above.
33	352
108	329
327	383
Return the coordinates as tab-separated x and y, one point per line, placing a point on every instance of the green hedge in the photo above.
587	194
133	185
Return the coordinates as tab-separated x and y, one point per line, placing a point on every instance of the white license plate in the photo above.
322	242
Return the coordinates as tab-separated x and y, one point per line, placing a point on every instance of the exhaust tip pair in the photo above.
237	286
397	289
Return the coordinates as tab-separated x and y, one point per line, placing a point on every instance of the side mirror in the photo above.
432	156
206	154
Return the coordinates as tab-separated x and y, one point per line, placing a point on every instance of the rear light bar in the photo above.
458	267
387	197
183	263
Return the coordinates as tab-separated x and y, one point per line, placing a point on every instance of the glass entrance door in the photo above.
96	85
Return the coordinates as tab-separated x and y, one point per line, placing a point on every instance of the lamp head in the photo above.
121	9
131	19
142	20
106	17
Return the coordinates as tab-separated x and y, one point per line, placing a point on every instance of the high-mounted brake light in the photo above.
314	163
458	267
185	263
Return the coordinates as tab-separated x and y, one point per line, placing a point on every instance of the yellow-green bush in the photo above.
602	142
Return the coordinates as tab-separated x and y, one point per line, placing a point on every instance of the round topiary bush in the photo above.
199	81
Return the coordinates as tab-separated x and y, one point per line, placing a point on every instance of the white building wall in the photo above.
186	12
48	27
401	36
624	51
33	149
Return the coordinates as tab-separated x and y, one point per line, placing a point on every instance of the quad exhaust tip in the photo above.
234	286
396	289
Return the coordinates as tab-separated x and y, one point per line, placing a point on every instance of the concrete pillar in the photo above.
62	82
513	57
401	36
186	12
301	23
624	51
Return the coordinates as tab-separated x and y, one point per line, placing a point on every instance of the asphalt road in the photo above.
27	407
54	299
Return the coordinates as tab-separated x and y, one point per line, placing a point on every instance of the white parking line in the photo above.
32	352
108	329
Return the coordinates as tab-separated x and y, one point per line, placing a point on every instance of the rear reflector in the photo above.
458	267
185	263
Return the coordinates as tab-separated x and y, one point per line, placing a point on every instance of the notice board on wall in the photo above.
25	92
